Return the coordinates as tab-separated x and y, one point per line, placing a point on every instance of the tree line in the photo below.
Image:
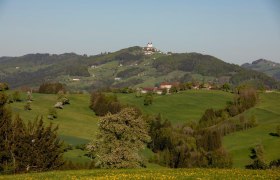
188	145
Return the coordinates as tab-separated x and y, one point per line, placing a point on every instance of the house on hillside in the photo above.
205	86
163	87
168	86
151	90
146	90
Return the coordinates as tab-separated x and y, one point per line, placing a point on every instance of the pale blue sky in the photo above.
235	31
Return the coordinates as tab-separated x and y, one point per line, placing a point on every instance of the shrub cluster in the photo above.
4	86
51	88
245	99
102	104
186	146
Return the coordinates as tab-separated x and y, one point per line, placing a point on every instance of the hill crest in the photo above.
128	67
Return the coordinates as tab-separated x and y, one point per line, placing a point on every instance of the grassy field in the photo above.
152	173
267	113
78	124
182	107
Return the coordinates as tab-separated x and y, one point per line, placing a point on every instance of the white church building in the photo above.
149	49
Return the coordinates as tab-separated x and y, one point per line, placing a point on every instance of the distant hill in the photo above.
268	67
126	67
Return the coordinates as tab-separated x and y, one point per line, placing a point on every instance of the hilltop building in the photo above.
149	49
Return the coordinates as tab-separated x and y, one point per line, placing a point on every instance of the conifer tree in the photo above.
5	135
19	146
45	152
24	148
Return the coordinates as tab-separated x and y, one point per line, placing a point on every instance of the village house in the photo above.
151	90
159	90
167	85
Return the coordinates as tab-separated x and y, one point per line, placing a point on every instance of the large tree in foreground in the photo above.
120	138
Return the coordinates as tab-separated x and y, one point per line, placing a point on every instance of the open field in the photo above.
267	112
78	124
183	107
152	173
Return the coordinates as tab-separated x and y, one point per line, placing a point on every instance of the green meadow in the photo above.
267	112
182	107
78	124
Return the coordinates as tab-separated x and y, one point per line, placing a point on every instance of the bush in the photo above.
220	159
27	106
102	104
275	164
52	88
52	113
29	96
62	98
4	87
257	155
148	100
16	96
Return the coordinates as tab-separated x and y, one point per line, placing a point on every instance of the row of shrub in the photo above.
200	144
244	99
186	146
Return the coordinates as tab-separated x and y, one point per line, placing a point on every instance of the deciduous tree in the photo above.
121	137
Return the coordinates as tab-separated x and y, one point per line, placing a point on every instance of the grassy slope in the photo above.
267	113
78	124
182	107
76	121
152	173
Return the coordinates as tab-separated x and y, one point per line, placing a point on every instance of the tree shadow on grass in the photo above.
274	134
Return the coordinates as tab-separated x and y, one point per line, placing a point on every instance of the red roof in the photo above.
149	89
167	83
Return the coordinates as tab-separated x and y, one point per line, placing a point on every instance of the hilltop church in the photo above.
149	49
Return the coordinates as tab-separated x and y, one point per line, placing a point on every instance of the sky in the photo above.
236	31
